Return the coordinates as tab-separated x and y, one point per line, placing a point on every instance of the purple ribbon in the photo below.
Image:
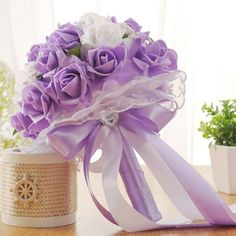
138	128
136	185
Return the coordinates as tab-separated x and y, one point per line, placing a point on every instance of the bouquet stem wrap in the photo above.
136	185
130	117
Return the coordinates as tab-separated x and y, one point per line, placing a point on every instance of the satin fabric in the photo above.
138	129
130	117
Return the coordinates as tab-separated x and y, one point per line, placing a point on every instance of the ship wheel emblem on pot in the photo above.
25	191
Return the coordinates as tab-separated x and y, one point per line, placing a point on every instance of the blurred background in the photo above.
202	32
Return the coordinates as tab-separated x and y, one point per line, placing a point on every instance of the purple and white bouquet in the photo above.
77	61
102	84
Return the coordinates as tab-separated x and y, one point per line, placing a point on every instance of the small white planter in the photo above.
37	190
223	160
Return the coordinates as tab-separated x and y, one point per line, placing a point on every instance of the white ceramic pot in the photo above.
223	160
37	190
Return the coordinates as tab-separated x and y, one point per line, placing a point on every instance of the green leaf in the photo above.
151	40
221	122
74	51
39	77
125	36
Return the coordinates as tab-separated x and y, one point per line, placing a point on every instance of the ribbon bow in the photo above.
136	126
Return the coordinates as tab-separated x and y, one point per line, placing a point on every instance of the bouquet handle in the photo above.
136	185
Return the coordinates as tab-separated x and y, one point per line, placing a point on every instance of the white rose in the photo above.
90	19
127	32
101	31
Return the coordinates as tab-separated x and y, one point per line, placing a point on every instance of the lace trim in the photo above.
167	90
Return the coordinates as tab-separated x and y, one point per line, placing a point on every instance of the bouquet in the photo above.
102	84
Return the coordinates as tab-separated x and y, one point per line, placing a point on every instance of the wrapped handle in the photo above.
136	185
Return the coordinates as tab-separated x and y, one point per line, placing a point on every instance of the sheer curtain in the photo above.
202	32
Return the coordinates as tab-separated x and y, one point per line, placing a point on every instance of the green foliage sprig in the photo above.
221	123
7	83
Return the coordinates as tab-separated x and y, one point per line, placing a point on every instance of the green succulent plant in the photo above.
221	123
7	83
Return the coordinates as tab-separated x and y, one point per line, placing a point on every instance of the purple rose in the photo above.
37	103
71	82
133	66
156	58
49	58
23	123
67	36
20	122
106	61
133	25
32	55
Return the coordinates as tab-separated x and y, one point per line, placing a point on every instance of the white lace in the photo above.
166	89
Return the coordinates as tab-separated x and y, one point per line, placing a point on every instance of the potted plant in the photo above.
221	128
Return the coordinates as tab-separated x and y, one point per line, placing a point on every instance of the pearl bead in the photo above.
110	119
